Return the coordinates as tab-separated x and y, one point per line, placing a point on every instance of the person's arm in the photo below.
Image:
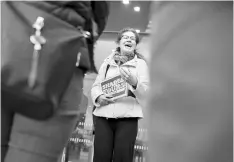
100	13
140	89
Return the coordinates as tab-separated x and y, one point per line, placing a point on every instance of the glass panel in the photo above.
80	145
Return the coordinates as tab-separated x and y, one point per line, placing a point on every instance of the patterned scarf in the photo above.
121	59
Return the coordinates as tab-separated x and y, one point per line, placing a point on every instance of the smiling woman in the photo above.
127	40
117	119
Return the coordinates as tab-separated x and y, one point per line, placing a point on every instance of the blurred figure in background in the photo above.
27	140
190	99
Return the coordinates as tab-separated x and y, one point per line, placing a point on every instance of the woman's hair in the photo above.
140	56
120	34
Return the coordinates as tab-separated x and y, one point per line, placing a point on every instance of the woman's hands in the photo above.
128	76
104	100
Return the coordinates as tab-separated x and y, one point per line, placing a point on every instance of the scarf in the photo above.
121	59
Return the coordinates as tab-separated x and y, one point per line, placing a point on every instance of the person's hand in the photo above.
104	100
128	76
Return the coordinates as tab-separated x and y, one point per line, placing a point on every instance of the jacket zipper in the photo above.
85	34
38	40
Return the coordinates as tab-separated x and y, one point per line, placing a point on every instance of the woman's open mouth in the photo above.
128	46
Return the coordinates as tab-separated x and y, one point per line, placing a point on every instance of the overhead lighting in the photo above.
137	30
137	8
125	1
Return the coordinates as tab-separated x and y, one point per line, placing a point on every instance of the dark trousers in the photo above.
115	139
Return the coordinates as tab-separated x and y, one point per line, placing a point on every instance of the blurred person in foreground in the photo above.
27	140
190	99
116	120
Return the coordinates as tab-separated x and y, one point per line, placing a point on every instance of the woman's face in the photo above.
127	42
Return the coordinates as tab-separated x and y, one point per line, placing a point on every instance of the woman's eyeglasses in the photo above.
126	37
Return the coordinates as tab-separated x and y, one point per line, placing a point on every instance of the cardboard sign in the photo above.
115	86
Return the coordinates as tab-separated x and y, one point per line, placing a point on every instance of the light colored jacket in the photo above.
126	106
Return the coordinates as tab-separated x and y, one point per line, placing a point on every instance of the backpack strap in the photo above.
107	67
131	94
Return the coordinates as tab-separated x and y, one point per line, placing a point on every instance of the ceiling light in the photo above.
125	1
137	30
137	8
